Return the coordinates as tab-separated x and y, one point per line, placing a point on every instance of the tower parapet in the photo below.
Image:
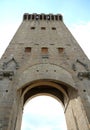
35	16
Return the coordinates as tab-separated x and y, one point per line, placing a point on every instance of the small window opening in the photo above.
36	44
52	17
45	53
48	17
56	17
32	28
60	18
53	28
44	17
29	17
43	28
41	17
51	44
32	16
28	49
60	50
25	17
44	50
37	17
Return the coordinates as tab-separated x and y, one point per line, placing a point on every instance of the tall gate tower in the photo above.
44	58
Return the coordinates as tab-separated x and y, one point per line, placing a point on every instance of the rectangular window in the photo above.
52	17
48	17
37	17
43	28
53	28
44	53
29	17
44	50
28	49
60	49
32	17
41	17
25	17
56	17
44	17
32	28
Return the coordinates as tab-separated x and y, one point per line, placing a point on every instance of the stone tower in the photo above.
44	58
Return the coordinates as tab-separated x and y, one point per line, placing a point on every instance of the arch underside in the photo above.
44	90
45	87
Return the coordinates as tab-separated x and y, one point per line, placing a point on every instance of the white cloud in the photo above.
43	112
7	31
81	33
44	103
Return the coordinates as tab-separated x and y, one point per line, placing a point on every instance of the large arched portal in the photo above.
56	82
59	92
44	87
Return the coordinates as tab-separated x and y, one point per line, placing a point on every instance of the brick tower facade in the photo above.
44	58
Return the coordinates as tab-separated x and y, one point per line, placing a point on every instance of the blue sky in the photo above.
73	10
76	15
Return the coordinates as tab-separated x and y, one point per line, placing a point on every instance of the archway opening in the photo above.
43	113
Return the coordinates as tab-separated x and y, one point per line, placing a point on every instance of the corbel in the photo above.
82	75
6	74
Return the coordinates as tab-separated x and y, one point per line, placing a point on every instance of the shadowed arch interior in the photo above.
49	87
44	89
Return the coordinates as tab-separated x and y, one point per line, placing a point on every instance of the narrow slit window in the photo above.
28	49
29	17
25	17
44	17
48	17
52	17
37	17
41	17
60	49
32	16
43	28
60	18
56	17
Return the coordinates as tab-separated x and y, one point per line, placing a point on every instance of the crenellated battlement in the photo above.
49	17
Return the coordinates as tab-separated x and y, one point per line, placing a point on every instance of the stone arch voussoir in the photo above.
44	72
